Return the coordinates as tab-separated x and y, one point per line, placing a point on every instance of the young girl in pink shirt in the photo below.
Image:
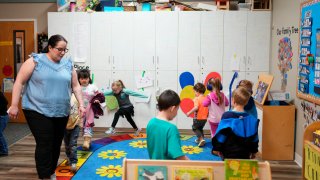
216	102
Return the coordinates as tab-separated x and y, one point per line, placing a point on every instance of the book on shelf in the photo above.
192	173
152	172
238	169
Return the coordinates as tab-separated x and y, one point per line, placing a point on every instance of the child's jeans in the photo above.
3	142
197	127
213	128
70	141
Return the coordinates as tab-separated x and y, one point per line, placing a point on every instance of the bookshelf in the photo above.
311	153
130	167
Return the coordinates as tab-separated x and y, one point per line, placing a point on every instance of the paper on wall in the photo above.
235	63
7	84
142	82
80	41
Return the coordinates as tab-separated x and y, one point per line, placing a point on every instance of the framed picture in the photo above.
42	39
263	87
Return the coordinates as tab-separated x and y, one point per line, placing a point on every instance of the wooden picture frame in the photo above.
262	88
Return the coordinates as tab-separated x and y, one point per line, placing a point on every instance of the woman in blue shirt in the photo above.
47	80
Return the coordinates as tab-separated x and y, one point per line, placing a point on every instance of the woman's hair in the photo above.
118	83
241	96
246	84
167	99
84	73
199	87
216	86
52	42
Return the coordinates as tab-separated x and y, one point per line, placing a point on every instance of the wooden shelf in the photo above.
312	151
261	5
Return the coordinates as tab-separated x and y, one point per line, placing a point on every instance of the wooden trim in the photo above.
307	97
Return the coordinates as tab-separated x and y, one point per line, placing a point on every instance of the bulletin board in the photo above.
308	87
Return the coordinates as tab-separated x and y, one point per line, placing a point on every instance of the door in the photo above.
16	43
100	41
235	39
166	41
258	41
211	40
122	41
189	41
144	41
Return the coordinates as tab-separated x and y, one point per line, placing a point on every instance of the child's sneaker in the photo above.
111	130
202	143
137	132
73	167
196	141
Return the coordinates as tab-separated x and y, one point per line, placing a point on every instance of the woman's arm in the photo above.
77	92
23	76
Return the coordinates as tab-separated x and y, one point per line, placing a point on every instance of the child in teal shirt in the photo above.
163	137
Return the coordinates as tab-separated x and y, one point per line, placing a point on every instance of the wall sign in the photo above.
308	87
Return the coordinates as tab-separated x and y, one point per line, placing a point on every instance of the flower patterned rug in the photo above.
104	160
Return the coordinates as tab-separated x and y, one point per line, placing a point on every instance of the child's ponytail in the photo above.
216	86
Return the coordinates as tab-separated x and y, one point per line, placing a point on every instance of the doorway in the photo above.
16	43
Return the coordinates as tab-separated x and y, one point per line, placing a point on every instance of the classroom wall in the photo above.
286	14
36	11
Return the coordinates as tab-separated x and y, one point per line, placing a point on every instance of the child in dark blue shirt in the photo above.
237	133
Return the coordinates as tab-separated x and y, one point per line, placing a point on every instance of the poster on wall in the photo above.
284	60
7	84
308	86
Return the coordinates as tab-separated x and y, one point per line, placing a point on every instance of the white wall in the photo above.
286	13
36	11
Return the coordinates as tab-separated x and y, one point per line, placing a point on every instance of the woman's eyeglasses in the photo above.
62	49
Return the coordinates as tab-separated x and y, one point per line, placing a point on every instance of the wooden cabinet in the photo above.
311	153
276	131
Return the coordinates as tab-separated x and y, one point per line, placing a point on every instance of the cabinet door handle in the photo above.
109	59
202	60
113	62
157	83
157	59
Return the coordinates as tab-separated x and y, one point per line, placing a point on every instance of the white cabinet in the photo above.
101	41
211	40
122	41
145	111
166	41
120	45
189	40
144	40
246	36
102	80
75	27
258	41
235	38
